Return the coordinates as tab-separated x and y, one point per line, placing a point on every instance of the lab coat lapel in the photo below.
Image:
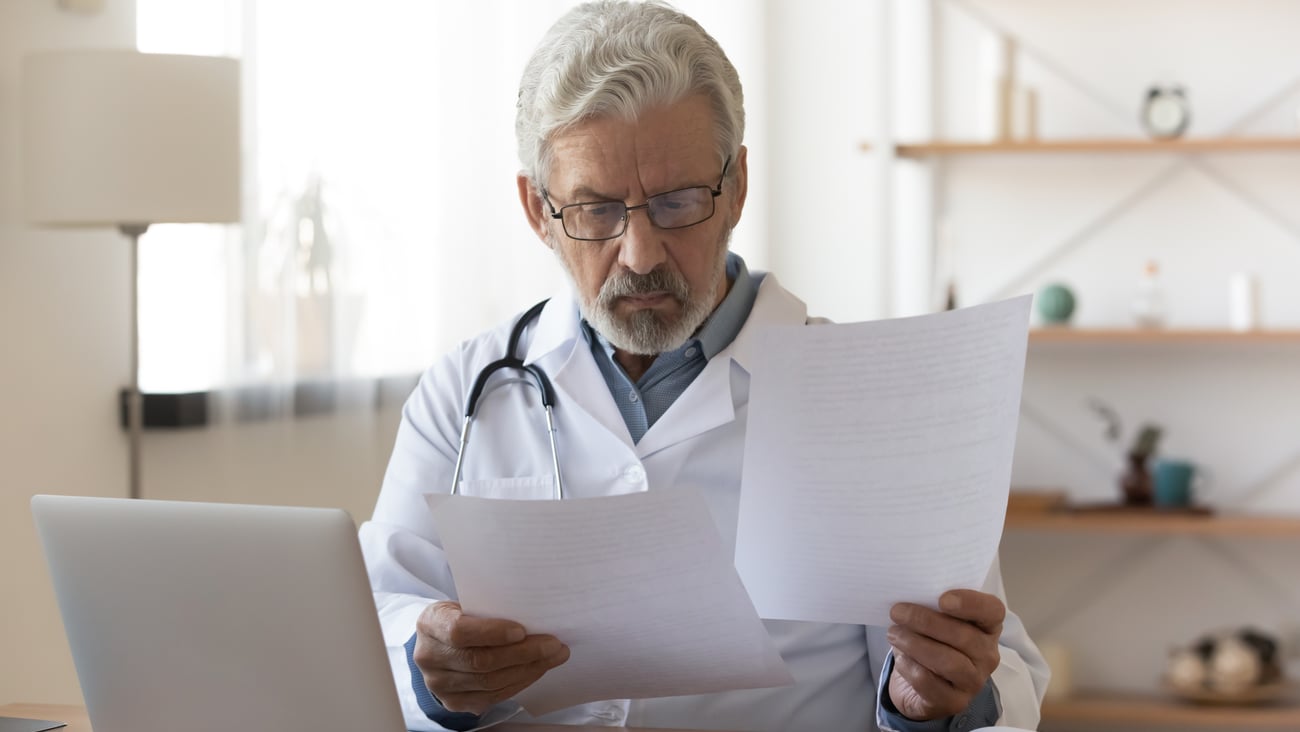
559	348
708	402
774	305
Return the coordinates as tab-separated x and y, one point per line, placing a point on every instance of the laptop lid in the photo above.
213	617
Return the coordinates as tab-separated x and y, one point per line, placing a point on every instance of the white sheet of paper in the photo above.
639	586
878	461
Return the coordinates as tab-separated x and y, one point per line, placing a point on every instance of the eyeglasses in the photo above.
601	220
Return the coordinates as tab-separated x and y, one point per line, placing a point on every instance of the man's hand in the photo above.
943	659
471	663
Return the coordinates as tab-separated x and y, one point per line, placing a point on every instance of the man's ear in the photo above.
534	207
741	186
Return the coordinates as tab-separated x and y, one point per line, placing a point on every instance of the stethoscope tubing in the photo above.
539	379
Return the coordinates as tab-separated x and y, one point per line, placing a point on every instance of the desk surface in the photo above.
77	721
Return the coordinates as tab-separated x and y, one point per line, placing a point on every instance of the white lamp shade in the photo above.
119	137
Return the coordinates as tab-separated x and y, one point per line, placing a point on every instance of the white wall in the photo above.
824	205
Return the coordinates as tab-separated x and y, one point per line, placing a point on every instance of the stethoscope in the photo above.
511	361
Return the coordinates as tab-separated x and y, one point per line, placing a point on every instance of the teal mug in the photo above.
1174	482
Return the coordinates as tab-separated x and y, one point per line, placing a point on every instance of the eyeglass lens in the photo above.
608	219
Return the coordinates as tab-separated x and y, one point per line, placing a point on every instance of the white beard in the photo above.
649	332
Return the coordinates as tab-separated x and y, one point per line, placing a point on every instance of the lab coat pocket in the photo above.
532	487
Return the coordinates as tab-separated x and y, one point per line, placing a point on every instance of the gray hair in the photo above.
613	57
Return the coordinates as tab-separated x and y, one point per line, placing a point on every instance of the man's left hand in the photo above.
943	658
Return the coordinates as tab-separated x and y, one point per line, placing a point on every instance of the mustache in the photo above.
626	283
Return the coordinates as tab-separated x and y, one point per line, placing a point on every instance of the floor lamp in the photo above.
126	139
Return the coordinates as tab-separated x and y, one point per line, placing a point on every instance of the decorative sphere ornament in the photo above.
1056	304
1234	667
1186	671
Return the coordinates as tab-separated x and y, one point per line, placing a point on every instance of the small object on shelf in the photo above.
1243	302
1166	113
1055	304
950	298
1007	90
1173	483
1135	483
1234	666
1057	655
1186	669
1149	302
1025	127
1231	667
1147	439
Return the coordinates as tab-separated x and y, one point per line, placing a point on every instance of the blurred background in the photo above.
1135	163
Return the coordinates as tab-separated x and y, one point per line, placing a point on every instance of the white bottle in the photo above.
1149	303
1243	302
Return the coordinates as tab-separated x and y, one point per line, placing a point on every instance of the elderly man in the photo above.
630	124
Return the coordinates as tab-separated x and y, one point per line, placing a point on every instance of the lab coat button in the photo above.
634	474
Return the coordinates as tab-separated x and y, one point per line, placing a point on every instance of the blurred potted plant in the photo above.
1135	481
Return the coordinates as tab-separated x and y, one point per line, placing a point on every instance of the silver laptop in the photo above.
216	617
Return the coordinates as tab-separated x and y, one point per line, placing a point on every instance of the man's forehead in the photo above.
660	147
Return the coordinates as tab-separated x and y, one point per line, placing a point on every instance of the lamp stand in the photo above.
134	400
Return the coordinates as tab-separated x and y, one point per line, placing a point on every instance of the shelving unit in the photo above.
1155	712
1148	711
1153	522
1101	145
1093	336
933	167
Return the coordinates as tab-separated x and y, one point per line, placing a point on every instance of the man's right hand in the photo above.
471	663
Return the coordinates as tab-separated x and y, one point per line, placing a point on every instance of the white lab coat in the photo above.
696	445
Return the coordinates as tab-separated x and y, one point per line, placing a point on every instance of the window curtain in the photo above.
381	222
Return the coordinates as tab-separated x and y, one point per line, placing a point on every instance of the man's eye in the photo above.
603	211
677	200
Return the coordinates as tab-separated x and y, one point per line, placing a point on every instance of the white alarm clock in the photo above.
1166	113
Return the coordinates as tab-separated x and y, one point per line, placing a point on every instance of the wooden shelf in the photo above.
1142	711
1118	145
1066	334
1153	521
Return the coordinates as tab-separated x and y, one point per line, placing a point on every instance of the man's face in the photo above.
649	289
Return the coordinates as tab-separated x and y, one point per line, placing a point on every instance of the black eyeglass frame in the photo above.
714	192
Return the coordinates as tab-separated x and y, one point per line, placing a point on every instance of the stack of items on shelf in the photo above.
1230	667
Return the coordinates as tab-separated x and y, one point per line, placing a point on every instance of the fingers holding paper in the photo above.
943	658
470	663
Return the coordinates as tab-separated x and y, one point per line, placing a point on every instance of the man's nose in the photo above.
641	248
